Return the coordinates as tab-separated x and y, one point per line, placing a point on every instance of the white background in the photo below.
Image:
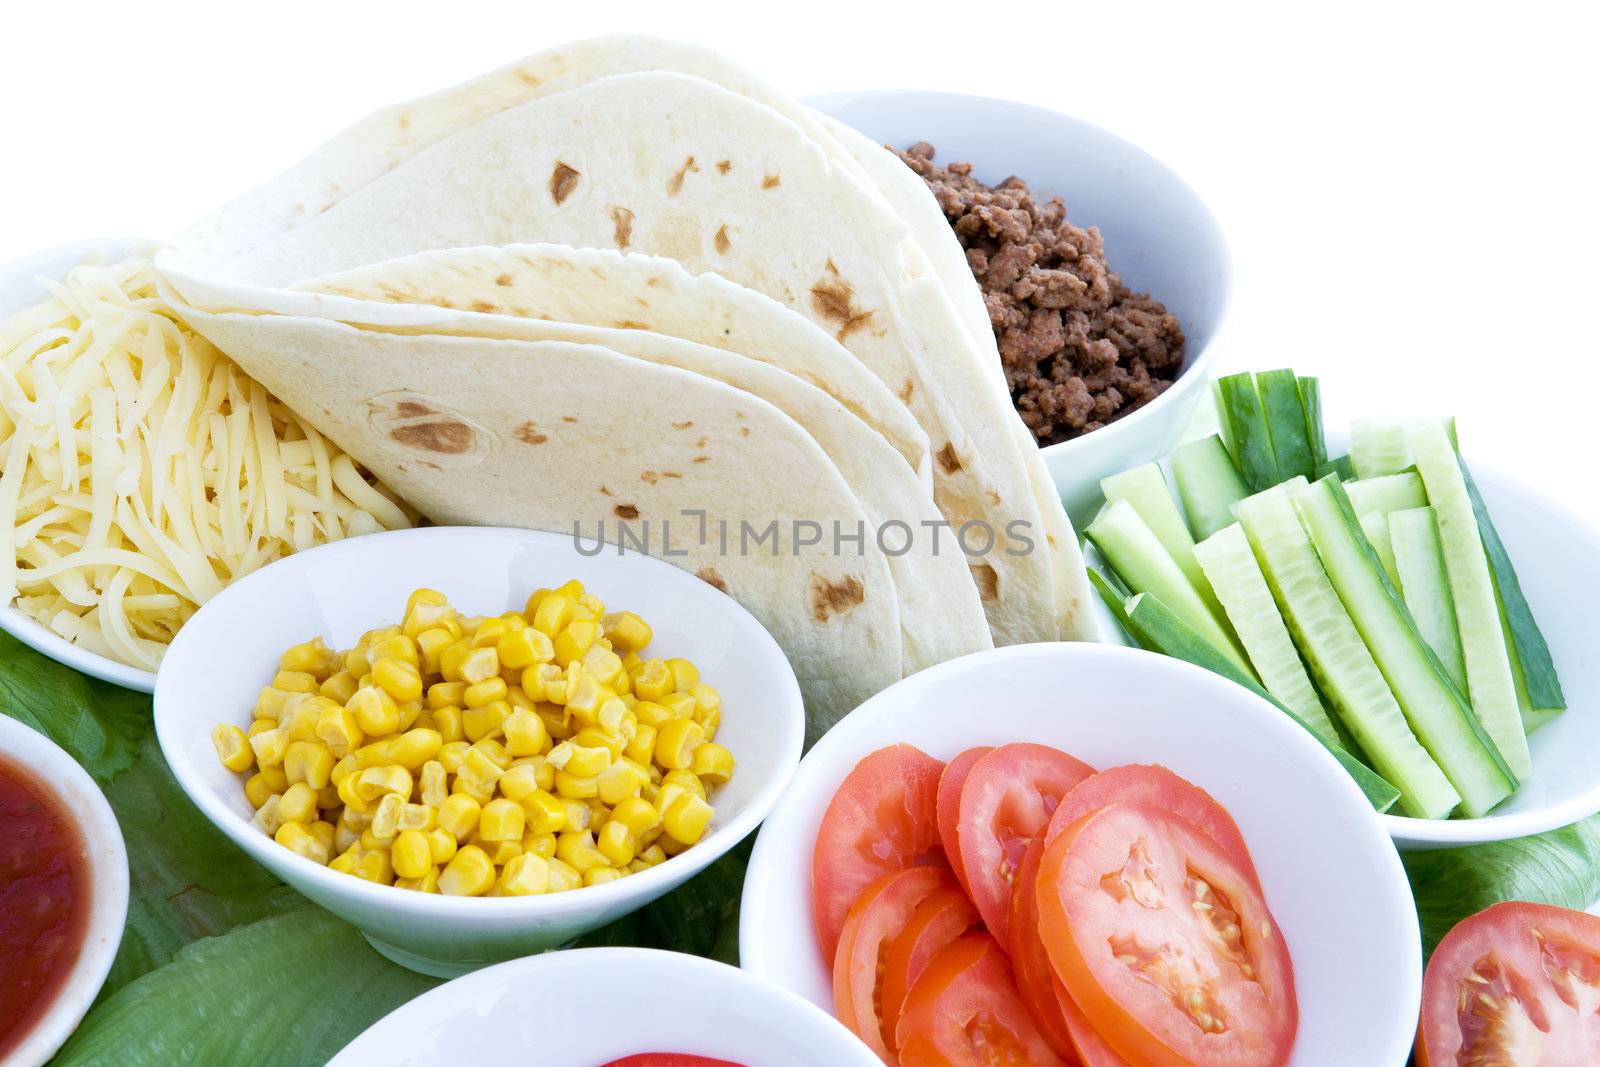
1410	189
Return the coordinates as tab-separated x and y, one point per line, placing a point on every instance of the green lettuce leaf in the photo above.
1561	867
292	989
98	723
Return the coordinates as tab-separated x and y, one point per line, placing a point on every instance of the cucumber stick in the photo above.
1378	445
1208	484
1145	487
1339	660
1133	549
1170	636
1483	643
1437	712
1532	717
1311	403
1376	528
1386	493
1531	655
1286	422
1244	429
1239	584
1419	560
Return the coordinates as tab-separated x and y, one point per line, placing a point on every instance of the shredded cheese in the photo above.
144	471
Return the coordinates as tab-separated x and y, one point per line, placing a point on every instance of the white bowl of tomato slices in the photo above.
1085	853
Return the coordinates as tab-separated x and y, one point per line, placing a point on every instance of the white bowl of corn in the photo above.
476	743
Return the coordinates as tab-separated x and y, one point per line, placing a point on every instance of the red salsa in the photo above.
44	900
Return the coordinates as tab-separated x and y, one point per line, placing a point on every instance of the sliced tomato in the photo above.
875	920
1516	983
1165	941
1091	1048
964	1011
1008	798
948	803
1035	979
669	1059
1148	783
880	820
944	915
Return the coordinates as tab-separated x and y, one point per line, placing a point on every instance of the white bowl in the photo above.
230	649
20	288
1159	236
1331	877
108	884
1557	556
590	1006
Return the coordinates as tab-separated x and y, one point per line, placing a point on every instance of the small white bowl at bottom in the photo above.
230	648
107	857
589	1006
1331	877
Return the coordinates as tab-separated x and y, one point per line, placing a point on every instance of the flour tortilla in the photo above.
940	614
524	173
380	142
908	196
549	434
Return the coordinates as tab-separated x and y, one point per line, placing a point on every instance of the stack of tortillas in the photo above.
624	282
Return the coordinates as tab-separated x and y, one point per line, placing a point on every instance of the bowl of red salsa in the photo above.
63	893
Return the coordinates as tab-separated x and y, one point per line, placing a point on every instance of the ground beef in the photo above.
1078	347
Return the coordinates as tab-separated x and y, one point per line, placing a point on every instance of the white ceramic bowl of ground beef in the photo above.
1159	236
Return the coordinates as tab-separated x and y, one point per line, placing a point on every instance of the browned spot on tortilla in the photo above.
649	477
529	434
396	296
411	409
654	282
445	436
834	300
527	79
568	418
906	390
700	443
521	312
949	462
562	181
484	305
405	120
721	240
683	425
1049	540
626	511
724	166
744	431
430	464
988	581
701	459
710	576
503	281
675	184
671	474
830	598
604	491
833	270
632	324
621	226
994	497
770	181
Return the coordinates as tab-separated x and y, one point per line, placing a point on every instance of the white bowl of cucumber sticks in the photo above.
1451	655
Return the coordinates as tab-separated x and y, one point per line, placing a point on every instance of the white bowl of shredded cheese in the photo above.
143	471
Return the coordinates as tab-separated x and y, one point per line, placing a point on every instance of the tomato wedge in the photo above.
944	915
669	1059
881	913
1165	941
964	1012
880	820
1516	983
947	806
1149	783
1008	798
